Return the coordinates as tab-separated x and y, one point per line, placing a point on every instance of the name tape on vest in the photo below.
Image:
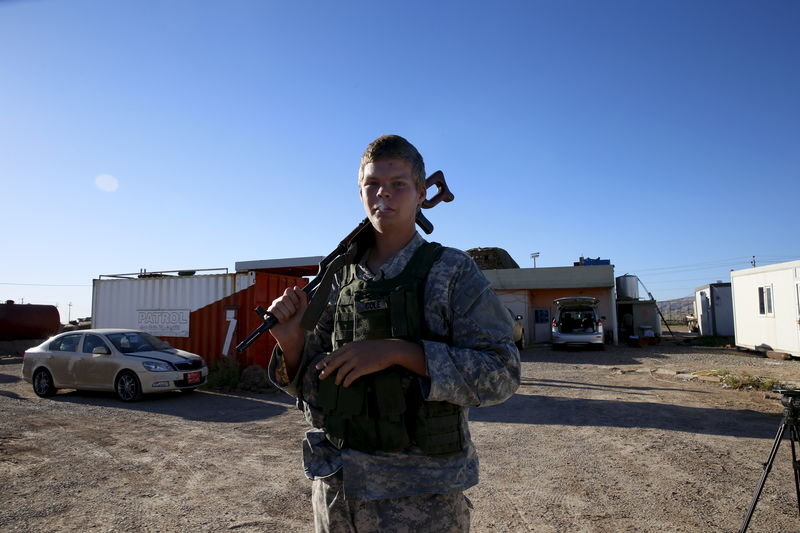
371	305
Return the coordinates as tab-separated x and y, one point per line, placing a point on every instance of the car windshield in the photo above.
138	341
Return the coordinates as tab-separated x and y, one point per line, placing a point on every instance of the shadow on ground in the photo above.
624	389
9	378
201	406
560	411
580	355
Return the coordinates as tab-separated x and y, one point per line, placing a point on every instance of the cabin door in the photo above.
541	326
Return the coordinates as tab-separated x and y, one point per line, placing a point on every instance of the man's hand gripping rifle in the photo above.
348	250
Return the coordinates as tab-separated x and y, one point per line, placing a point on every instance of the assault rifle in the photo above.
351	247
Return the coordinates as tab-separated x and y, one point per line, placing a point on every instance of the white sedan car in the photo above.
128	362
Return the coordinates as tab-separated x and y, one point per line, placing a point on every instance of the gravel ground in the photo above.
612	441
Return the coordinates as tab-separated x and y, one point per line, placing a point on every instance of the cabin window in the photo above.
765	300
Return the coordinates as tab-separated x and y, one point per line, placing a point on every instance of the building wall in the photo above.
574	277
644	316
779	330
534	298
517	302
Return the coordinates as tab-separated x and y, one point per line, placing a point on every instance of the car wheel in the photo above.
127	387
43	383
557	347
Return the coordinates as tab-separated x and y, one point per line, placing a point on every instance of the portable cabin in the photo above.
713	309
766	307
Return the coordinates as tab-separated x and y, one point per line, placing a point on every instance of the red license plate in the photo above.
194	377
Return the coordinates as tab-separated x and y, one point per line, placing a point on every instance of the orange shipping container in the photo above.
217	328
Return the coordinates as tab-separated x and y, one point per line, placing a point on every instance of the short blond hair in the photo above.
394	147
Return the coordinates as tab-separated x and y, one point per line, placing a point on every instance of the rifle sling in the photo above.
320	299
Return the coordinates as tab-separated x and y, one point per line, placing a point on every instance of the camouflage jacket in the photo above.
480	367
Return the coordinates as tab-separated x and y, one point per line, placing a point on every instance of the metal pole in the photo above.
657	309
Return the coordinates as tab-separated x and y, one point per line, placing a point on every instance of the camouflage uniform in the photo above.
479	367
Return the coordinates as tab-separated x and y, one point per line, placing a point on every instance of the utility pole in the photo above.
69	312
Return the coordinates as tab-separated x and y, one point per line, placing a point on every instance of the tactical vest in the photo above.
385	411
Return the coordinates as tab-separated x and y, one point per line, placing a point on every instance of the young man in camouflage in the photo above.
412	336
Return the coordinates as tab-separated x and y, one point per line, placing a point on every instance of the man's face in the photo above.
390	194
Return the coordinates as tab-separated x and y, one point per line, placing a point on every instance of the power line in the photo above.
678	281
716	263
698	266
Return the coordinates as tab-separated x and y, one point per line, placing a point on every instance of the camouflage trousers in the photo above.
422	513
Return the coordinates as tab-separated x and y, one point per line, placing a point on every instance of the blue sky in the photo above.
664	136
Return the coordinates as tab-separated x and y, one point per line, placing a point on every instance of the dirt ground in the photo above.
610	441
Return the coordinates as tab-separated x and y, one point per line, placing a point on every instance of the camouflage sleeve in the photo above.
479	364
316	342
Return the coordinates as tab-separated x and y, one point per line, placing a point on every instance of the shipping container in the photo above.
203	314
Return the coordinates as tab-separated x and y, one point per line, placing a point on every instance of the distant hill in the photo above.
678	308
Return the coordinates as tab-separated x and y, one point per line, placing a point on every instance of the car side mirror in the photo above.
101	350
518	317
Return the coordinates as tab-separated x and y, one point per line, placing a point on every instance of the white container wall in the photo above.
160	305
766	307
713	306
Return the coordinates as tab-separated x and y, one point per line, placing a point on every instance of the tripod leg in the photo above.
794	436
767	468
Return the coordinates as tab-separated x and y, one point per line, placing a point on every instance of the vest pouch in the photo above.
328	394
390	402
350	401
343	327
354	407
334	425
438	428
343	419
